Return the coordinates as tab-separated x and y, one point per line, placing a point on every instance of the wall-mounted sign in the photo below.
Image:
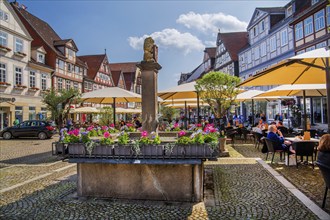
2	99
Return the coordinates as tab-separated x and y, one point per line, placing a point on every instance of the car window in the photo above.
41	123
34	123
25	124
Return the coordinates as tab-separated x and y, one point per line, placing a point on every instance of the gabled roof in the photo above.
234	42
128	80
45	31
19	22
125	67
65	42
211	51
94	63
272	10
116	77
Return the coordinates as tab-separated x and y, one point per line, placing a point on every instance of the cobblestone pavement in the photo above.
242	189
307	180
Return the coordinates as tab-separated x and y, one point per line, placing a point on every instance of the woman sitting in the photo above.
324	151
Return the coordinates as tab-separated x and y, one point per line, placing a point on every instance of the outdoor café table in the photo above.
293	140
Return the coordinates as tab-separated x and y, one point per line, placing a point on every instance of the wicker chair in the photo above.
271	145
304	148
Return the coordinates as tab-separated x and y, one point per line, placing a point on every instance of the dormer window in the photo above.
71	54
41	57
289	11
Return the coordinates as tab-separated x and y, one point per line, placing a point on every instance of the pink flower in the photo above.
90	128
182	133
176	125
106	134
144	134
104	128
112	125
199	125
129	125
74	132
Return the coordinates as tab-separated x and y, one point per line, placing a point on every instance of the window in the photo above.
70	67
4	16
299	31
249	60
263	49
43	81
284	37
32	81
256	53
61	64
322	44
314	2
76	69
41	57
319	20
19	113
310	48
300	52
59	84
289	11
32	114
18	45
3	72
68	84
75	85
255	31
272	43
70	54
262	26
308	25
18	76
3	39
328	15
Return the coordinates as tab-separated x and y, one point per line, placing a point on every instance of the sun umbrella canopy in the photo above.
306	68
296	90
191	105
85	110
183	91
128	110
110	95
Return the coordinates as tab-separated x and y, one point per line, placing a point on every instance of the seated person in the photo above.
137	123
323	156
276	136
282	128
122	125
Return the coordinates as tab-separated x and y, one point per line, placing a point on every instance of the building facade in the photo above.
311	25
22	76
61	53
228	46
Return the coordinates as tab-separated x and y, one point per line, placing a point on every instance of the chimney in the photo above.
16	3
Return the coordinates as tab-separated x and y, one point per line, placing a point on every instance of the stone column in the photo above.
149	75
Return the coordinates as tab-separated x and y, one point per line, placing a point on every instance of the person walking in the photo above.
16	122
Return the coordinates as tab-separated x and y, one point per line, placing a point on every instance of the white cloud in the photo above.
209	43
170	38
212	22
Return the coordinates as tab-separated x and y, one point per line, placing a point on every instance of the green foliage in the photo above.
144	140
93	133
106	116
219	90
183	140
123	138
169	113
59	102
106	141
198	139
71	139
156	140
85	138
211	138
99	133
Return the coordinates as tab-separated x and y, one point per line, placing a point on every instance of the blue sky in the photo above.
181	29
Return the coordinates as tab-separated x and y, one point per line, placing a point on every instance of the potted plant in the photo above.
105	146
76	141
150	146
123	149
178	149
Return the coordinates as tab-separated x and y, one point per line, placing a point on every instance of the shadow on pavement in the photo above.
45	157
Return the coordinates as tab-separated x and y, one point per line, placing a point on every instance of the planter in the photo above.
103	150
222	144
174	151
152	151
77	150
197	150
59	149
123	150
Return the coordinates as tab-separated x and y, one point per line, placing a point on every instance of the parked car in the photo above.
30	128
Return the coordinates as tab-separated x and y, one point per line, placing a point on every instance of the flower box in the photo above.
103	150
4	49
21	87
4	84
174	151
77	150
123	150
198	150
33	89
19	54
151	151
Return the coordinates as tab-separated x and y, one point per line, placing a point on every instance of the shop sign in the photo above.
2	99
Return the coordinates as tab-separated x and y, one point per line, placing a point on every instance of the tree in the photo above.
168	113
219	90
59	102
106	116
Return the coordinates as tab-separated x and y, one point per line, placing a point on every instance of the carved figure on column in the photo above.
150	50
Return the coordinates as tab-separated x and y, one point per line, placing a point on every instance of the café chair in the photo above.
257	139
271	148
325	171
304	148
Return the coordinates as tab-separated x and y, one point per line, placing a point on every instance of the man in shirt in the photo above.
277	136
